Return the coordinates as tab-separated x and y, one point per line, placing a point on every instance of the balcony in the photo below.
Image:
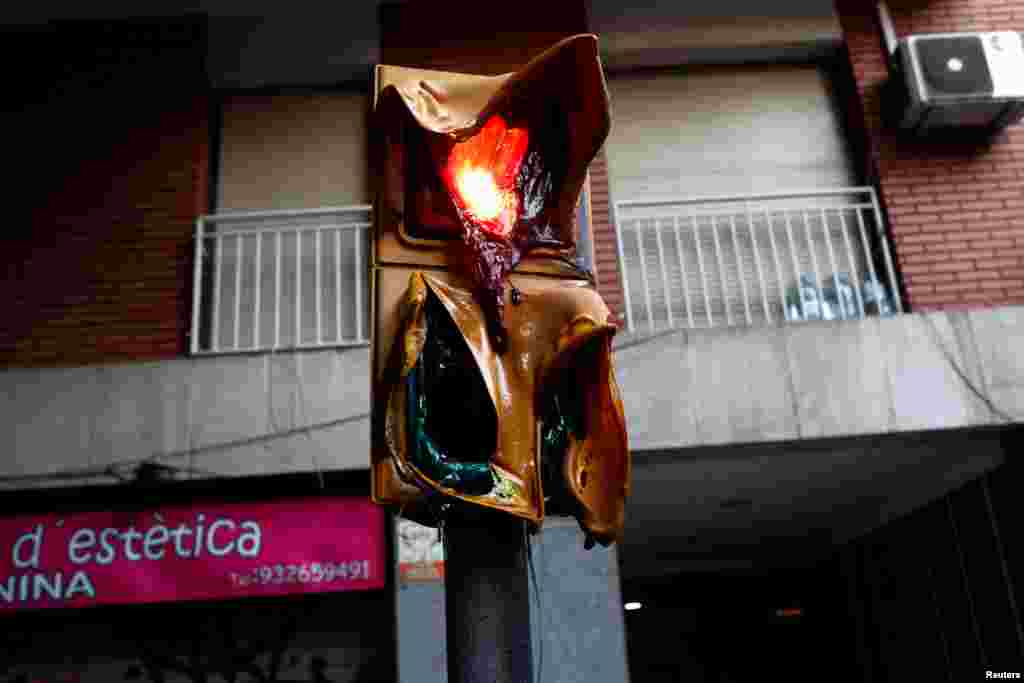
750	260
297	280
285	279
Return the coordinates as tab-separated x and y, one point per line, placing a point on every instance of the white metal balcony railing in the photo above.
281	279
754	259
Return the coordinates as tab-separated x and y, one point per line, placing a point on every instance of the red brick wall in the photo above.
606	251
112	153
955	207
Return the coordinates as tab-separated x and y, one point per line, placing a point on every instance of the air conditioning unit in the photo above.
960	80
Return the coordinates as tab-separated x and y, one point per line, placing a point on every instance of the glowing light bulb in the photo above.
478	189
480	174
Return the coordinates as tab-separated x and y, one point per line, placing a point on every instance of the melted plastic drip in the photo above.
488	262
452	425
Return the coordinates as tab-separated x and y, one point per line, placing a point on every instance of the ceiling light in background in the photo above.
736	503
630	606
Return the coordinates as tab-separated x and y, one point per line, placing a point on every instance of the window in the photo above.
283	257
736	201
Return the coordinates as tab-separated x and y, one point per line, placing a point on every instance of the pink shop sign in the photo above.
191	552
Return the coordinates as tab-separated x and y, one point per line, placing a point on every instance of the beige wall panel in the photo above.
635	36
293	151
724	130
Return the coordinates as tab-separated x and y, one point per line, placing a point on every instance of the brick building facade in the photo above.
955	207
112	151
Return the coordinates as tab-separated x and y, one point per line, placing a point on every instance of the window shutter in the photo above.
728	132
293	151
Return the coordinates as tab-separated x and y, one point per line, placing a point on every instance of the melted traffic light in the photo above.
493	381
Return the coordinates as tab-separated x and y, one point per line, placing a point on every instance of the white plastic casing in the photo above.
1004	56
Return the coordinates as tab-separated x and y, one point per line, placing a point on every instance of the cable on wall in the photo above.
116	470
951	360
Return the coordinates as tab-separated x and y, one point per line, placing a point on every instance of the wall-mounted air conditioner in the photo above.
960	79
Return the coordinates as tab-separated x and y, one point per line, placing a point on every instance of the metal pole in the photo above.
487	600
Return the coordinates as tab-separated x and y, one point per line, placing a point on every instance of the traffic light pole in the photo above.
487	600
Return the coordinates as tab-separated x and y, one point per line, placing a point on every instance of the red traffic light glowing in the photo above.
480	175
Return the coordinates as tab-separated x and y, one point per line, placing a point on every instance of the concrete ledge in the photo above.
308	411
222	415
824	379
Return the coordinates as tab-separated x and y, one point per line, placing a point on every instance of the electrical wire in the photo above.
116	470
951	360
301	416
197	451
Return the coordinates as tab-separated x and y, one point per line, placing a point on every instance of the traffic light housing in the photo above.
493	382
